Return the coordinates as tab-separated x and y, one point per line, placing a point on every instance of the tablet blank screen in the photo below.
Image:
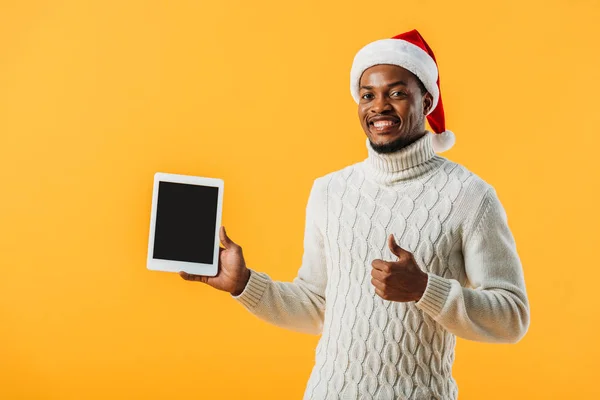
185	222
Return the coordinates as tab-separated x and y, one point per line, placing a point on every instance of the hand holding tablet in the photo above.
185	229
233	274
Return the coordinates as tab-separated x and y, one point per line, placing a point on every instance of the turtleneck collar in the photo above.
410	162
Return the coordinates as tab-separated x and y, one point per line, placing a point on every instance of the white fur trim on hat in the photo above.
396	52
442	141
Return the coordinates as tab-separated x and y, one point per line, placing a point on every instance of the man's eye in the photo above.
367	96
397	94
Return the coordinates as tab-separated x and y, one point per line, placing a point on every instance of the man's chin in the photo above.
384	146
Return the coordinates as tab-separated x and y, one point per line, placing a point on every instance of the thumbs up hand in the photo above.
401	280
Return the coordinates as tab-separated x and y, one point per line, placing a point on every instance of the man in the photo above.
403	251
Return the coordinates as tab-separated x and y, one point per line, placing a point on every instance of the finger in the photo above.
227	242
378	284
396	250
380	293
379	275
393	245
195	278
380	265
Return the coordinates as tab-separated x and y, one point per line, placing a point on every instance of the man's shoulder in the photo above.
322	185
449	173
473	184
475	192
343	173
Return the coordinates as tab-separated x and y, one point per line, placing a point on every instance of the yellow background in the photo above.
96	96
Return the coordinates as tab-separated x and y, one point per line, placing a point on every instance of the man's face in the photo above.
392	107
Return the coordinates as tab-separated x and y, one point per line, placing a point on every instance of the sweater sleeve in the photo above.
298	305
495	308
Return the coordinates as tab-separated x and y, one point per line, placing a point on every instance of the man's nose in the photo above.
380	104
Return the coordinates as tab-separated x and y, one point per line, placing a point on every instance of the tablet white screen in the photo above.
185	222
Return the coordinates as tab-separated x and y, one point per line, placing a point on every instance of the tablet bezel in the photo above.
173	265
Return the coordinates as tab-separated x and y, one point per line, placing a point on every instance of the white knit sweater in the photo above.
453	223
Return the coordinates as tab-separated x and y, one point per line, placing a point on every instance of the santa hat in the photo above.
409	51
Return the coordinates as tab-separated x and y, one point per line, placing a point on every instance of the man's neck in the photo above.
409	162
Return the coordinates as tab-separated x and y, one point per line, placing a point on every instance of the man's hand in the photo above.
232	275
400	280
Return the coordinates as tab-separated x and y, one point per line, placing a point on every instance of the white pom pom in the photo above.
443	141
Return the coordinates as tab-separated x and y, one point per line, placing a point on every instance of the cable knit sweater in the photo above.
371	348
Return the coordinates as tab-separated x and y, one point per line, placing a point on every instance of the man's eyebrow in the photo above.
397	83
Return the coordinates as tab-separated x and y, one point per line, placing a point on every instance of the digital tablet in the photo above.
184	224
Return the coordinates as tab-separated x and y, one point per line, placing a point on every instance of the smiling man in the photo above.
392	107
403	251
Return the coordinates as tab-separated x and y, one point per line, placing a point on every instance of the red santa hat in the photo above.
409	51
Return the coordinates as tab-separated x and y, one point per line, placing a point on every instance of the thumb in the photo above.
396	250
227	242
197	278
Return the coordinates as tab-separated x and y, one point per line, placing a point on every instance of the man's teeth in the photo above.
383	124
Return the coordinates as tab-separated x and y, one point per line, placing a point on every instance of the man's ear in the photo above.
427	102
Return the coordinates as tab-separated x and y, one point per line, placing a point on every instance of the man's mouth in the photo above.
383	125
